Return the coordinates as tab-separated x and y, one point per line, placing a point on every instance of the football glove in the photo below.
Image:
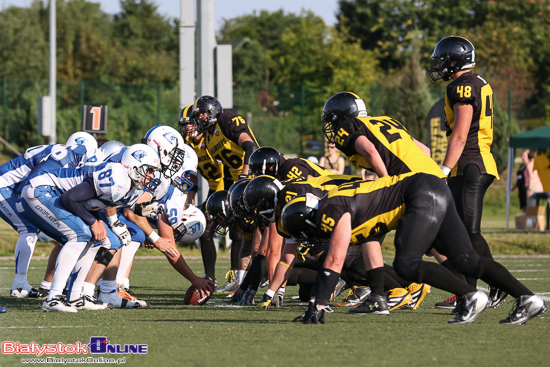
248	297
149	209
265	303
301	252
314	314
122	232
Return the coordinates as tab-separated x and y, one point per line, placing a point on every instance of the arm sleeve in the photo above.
249	147
71	199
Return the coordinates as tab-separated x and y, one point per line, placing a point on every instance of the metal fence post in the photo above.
510	105
302	112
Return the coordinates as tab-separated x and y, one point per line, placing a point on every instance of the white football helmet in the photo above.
141	161
191	226
168	143
182	179
82	138
112	147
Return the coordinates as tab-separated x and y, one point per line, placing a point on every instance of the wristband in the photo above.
446	170
112	219
270	293
153	237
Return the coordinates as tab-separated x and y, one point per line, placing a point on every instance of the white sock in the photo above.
24	249
80	271
126	257
66	260
46	285
125	283
242	274
88	289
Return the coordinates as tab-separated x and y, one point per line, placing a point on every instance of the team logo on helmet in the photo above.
80	141
170	137
138	154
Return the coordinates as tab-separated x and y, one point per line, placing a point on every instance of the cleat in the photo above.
373	305
232	283
90	303
340	286
469	307
355	297
525	308
496	297
119	302
22	292
58	304
39	293
278	299
397	297
127	294
448	304
418	293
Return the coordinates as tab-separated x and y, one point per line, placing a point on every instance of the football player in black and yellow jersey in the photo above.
228	139
268	161
380	144
468	162
419	207
218	178
227	135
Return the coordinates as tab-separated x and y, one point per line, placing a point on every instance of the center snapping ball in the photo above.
193	296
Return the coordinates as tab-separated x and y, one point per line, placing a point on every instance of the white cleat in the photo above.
117	301
469	307
90	303
58	304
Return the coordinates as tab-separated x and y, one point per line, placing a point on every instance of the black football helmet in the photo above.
213	109
243	217
339	107
184	119
452	55
264	161
298	218
260	195
218	209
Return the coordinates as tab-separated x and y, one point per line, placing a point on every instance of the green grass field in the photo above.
219	334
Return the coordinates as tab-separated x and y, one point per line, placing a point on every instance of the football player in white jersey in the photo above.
54	202
13	175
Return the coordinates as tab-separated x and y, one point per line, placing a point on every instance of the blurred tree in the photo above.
23	45
149	43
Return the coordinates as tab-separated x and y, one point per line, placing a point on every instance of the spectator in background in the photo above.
521	183
533	183
333	162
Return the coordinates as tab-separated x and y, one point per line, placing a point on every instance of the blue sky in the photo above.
224	8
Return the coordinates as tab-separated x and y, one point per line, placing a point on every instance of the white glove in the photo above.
122	232
152	210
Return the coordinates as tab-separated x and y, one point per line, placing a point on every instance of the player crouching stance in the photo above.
420	208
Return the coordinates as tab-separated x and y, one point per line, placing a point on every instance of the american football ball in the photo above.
193	297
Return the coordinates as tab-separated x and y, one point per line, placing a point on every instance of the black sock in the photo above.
496	275
440	277
208	251
375	278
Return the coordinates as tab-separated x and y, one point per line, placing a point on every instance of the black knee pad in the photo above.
407	267
103	256
466	263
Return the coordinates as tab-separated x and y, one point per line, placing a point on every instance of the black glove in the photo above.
313	314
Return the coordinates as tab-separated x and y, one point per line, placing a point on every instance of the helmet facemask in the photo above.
145	172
